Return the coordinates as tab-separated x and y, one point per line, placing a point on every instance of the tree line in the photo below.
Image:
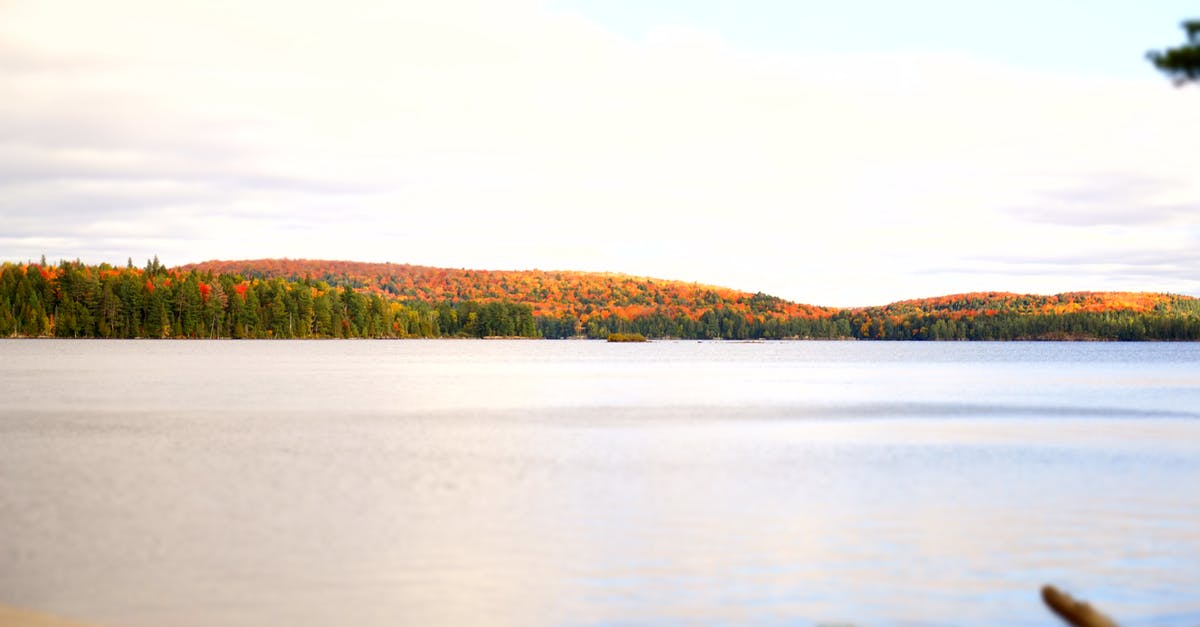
75	300
877	325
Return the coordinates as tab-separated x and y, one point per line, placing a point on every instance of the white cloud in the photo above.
464	134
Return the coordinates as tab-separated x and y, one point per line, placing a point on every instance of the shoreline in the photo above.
490	338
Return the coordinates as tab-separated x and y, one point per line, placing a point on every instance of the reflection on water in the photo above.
383	483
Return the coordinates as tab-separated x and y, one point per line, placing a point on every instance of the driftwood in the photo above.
1077	613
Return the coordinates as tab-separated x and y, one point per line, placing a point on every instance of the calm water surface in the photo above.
581	483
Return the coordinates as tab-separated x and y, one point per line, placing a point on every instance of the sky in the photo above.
830	153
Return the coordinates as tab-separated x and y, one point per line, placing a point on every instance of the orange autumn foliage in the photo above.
958	306
550	293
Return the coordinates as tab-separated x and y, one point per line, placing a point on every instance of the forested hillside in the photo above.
313	299
1007	316
553	293
77	300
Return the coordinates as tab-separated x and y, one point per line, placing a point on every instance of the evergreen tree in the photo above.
1181	63
214	309
323	318
158	321
249	317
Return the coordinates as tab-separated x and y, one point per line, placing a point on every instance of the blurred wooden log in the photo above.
1076	613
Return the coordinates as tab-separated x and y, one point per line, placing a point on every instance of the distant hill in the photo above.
992	303
995	303
550	293
1005	316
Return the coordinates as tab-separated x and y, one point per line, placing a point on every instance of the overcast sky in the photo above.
830	153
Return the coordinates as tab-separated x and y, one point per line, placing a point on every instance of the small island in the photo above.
627	337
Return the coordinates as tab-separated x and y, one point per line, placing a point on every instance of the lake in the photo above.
445	482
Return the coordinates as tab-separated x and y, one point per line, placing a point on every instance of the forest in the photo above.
321	299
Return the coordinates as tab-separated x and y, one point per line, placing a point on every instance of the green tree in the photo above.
72	319
379	316
158	321
1181	63
323	315
303	298
214	309
250	318
109	319
189	307
280	319
8	321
